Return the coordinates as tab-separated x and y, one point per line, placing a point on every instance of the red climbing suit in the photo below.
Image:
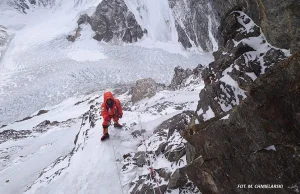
107	113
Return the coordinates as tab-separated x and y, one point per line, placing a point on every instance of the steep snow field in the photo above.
40	67
49	162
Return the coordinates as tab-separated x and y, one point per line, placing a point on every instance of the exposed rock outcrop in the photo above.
13	135
24	5
3	40
178	179
184	77
196	23
279	21
245	56
30	117
41	112
10	134
166	144
258	143
112	21
144	88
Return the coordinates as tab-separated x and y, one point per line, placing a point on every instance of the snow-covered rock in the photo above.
183	78
3	40
196	23
111	22
245	56
258	140
25	5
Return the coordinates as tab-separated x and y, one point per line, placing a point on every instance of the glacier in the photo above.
40	67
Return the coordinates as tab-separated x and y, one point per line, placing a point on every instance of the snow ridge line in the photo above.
61	164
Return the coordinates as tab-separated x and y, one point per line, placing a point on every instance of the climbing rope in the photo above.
115	161
149	162
117	167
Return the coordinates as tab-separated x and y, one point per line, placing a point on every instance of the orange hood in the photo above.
108	95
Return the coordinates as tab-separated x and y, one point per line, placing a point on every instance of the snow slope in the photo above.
49	162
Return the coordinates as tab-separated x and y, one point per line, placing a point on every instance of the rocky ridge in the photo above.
198	24
279	21
257	142
164	151
246	56
247	113
202	25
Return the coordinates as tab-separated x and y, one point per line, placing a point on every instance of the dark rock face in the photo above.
13	134
245	56
43	126
142	188
181	76
194	19
3	39
166	143
42	112
279	20
173	148
137	133
24	6
140	159
178	179
112	21
83	19
3	126
25	119
76	35
259	142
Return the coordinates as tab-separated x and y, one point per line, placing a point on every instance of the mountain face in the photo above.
197	23
191	23
246	56
255	143
234	121
246	109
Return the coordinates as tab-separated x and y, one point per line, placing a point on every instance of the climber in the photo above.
110	109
